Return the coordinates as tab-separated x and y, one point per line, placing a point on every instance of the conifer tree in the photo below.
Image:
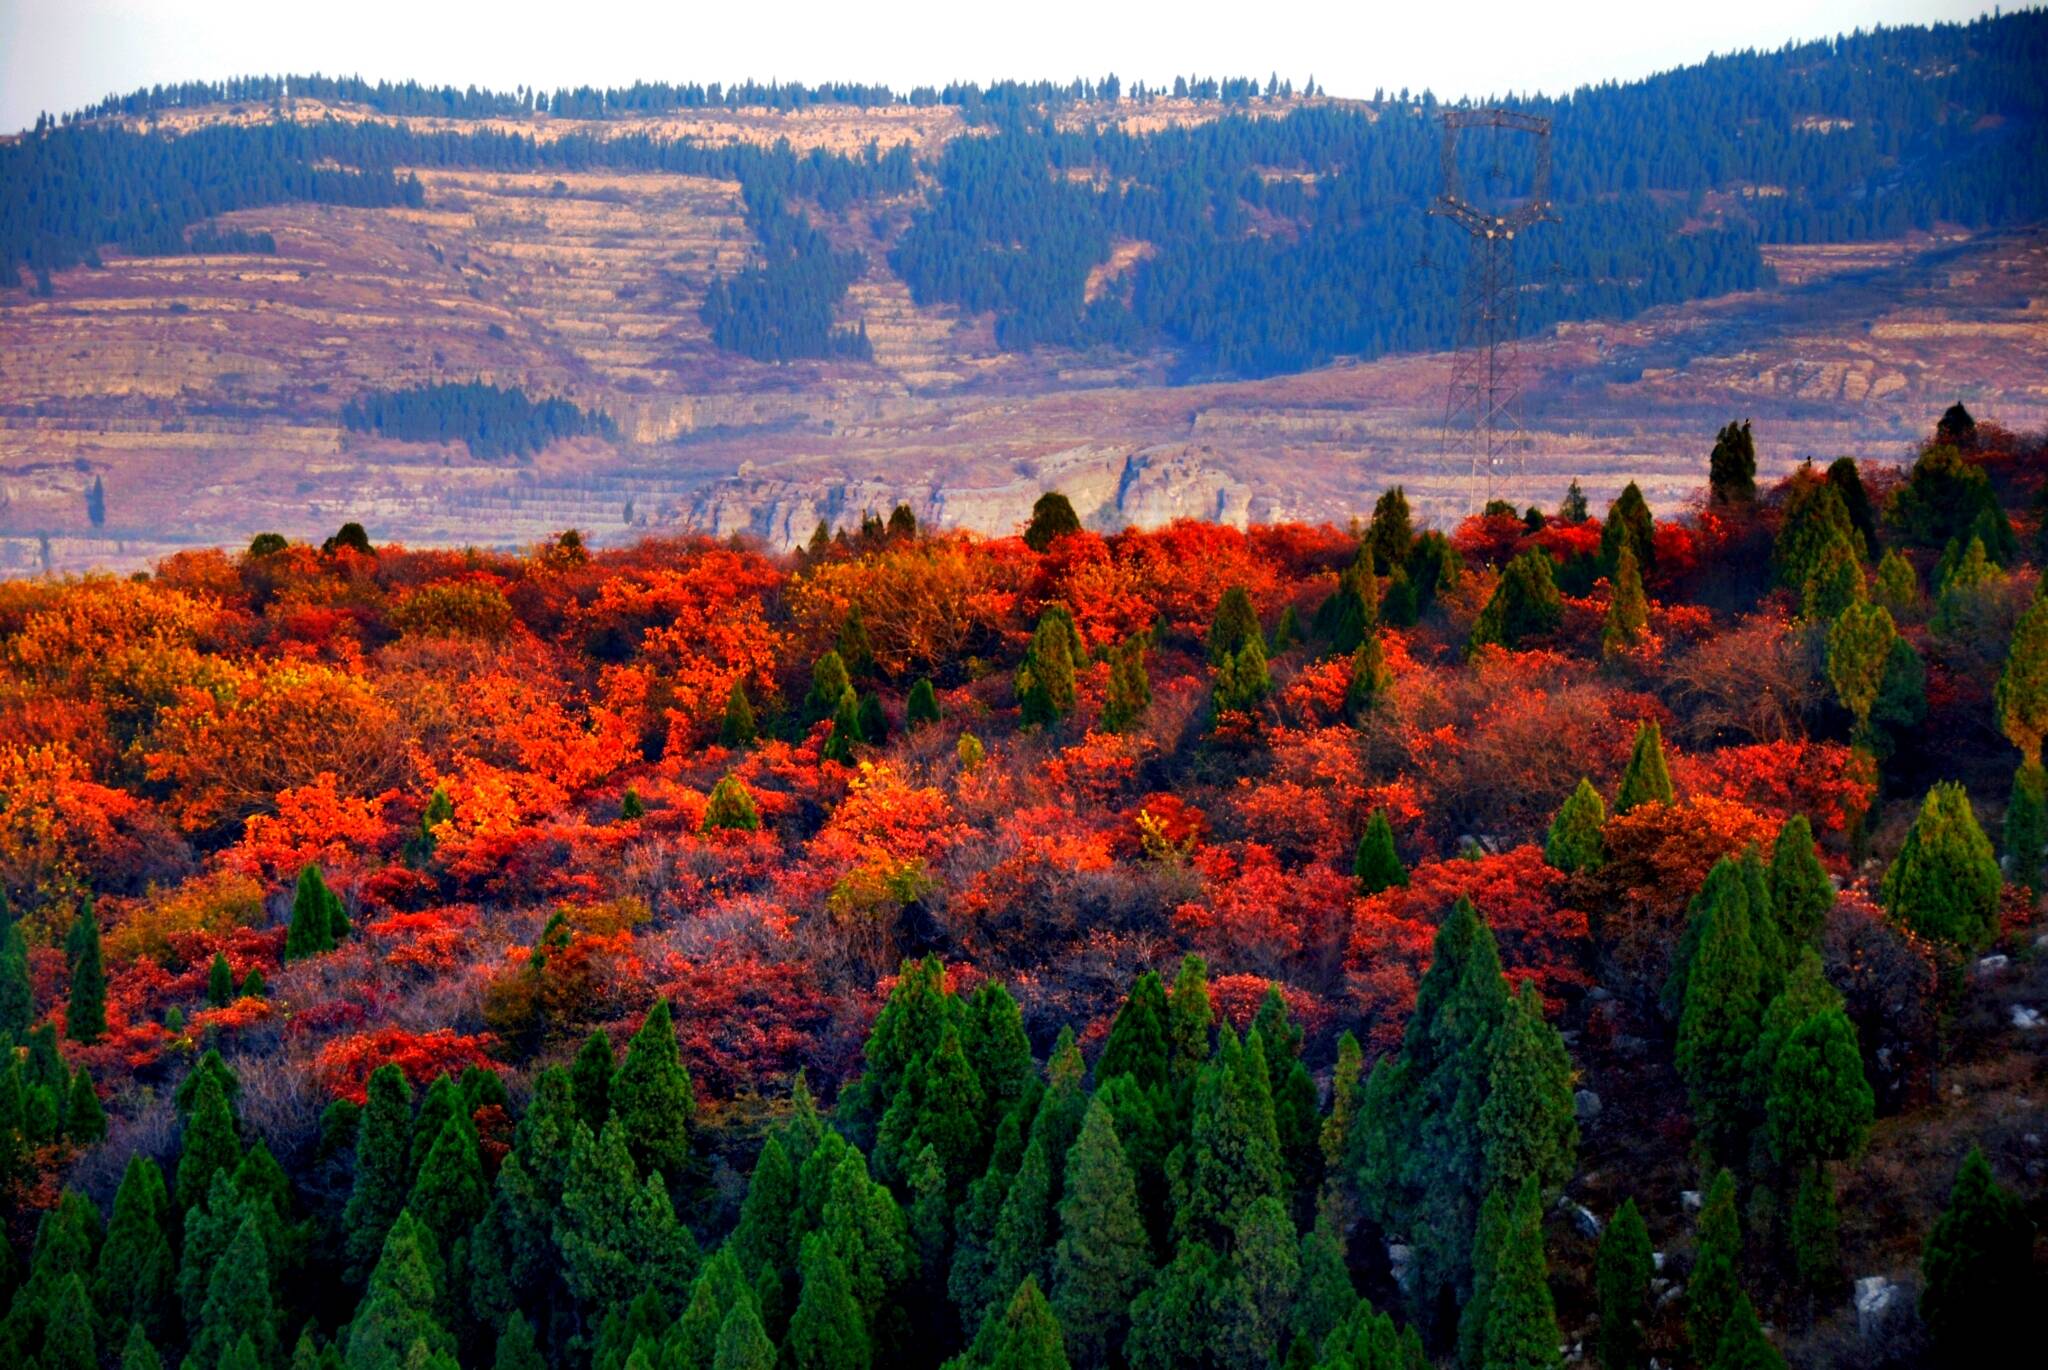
742	1342
998	1050
239	1300
941	1106
67	1328
1835	582
1976	1268
1814	1231
210	1147
2021	697
829	681
516	1348
1647	780
1130	689
400	1307
137	1352
730	807
383	1169
618	1236
1104	1257
1576	840
1189	1014
827	1330
1859	645
1945	882
1371	677
1528	1126
763	1238
85	1122
131	1283
1378	866
1621	1288
1801	893
1243	680
1052	517
1743	1344
1731	468
1233	1155
1895	586
85	1017
652	1099
316	912
1521	1320
17	992
220	981
1525	603
1716	1281
923	705
1045	682
2026	826
1137	1043
1628	609
874	720
693	1338
1719	1024
1806	994
1820	1105
846	731
449	1197
1287	632
1235	625
737	728
1391	536
1814	518
1630	525
854	646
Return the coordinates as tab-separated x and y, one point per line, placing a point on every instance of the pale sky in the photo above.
60	54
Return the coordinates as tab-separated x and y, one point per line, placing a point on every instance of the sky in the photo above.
58	55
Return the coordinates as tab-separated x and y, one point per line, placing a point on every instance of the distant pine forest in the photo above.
1284	232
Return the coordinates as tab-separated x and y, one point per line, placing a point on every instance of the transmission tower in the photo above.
1483	439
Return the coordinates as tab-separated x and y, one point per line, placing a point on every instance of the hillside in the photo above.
796	305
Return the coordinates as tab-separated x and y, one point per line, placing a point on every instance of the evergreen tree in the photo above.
1976	1269
1621	1289
67	1335
220	981
211	1146
1235	625
1233	1155
131	1284
1945	882
631	806
239	1300
2022	694
449	1196
923	705
827	1331
1859	646
137	1352
763	1239
998	1050
85	1122
1377	865
400	1307
1576	840
1391	537
1528	1126
1814	518
1371	677
874	720
1806	995
1895	586
1815	1232
854	646
829	681
1843	475
1045	682
1716	1281
1719	1024
1743	1345
941	1106
1189	1014
730	807
738	729
742	1342
618	1236
1243	680
383	1169
1629	525
652	1099
17	992
1647	780
516	1348
2026	826
1801	893
693	1339
1130	690
846	731
1628	609
1525	603
85	1017
1137	1042
1051	517
1835	582
1820	1105
1287	632
1731	469
1104	1257
316	914
1521	1320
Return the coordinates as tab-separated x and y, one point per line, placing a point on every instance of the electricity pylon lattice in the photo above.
1483	439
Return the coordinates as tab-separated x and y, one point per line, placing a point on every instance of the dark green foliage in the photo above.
829	684
1621	1289
239	1300
1521	1321
1377	865
1716	1280
1647	780
922	708
1575	841
138	1354
399	1308
1820	1105
516	1349
1233	1156
1801	893
1722	1012
652	1100
1525	604
1391	536
85	1017
827	1331
846	732
131	1284
618	1235
1137	1043
1942	500
2026	826
449	1196
1731	469
1104	1257
1813	1232
1848	483
67	1335
1189	1014
1945	881
1242	680
1629	524
730	808
17	993
220	981
941	1106
1235	624
318	921
1051	517
737	728
874	720
854	646
1045	682
85	1122
1527	1125
1628	608
998	1051
492	421
1976	1269
1743	1345
1130	689
211	1146
383	1170
742	1341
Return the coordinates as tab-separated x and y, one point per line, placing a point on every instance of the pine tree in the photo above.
618	1236
1628	609
399	1308
17	992
1391	537
942	1106
1814	518
1189	1014
137	1352
1243	681
313	915
1525	604
220	981
67	1335
1647	780
846	731
1235	625
383	1169
730	808
874	720
1378	866
2026	827
1801	893
763	1238
2022	694
652	1099
85	1122
516	1348
1731	469
1719	1024
1621	1287
1945	882
742	1342
1371	677
720	1286
737	728
1051	517
1576	840
1976	1269
1528	1126
1743	1345
449	1196
1629	524
1137	1043
1820	1105
1805	995
1716	1281
1815	1232
239	1301
1233	1153
1104	1257
923	705
1859	645
829	681
1836	580
827	1331
1521	1320
131	1284
210	1144
1045	682
998	1050
85	1017
1130	690
854	646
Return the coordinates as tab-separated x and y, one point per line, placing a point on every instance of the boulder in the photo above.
1586	1105
2024	1018
1876	1298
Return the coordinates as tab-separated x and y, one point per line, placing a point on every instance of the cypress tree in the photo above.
1976	1268
998	1050
827	1331
1806	994
763	1239
874	720
1045	682
516	1348
1835	582
1859	646
1233	1154
1820	1105
720	1286
1814	518
1945	882
846	731
131	1284
441	1102
1647	780
1815	1231
220	981
1628	609
85	1017
923	706
1391	536
1025	1225
1137	1044
1189	1015
1525	603
1130	690
383	1169
449	1197
590	1080
1895	586
1621	1288
1743	1344
85	1122
652	1099
1287	632
1371	678
17	992
239	1301
67	1324
2026	826
829	681
1576	840
1801	893
618	1236
1719	1024
942	1106
399	1309
730	808
1716	1281
1731	468
1051	517
210	1145
1235	626
1527	1126
1521	1320
1243	680
137	1352
2021	697
1104	1257
1629	524
1326	1295
854	646
1377	865
737	728
312	926
742	1342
